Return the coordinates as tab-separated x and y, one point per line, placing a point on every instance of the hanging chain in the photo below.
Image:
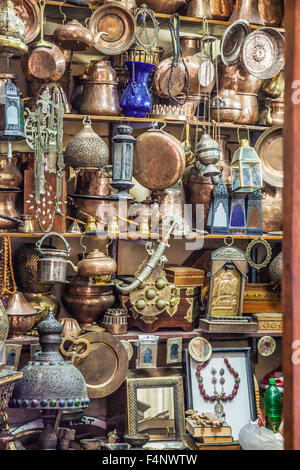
7	263
174	25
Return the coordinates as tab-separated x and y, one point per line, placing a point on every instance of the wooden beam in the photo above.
291	222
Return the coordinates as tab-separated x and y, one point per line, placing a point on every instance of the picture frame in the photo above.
174	351
147	352
136	406
245	399
12	356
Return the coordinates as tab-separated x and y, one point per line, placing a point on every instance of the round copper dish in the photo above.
163	6
45	63
105	367
118	23
159	160
29	12
269	147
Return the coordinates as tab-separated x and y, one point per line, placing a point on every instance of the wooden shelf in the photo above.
38	235
193	123
188	24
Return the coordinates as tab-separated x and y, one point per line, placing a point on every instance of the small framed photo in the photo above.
147	352
228	373
12	356
174	351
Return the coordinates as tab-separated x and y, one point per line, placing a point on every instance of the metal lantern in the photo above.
246	169
238	222
254	214
208	152
218	217
12	113
12	31
123	162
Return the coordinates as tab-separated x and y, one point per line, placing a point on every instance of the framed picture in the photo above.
216	377
174	351
156	407
12	356
147	352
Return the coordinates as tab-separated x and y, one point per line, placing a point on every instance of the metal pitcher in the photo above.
52	266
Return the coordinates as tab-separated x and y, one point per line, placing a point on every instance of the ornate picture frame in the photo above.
245	401
175	382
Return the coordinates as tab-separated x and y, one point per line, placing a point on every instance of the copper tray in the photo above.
118	23
269	147
31	15
106	366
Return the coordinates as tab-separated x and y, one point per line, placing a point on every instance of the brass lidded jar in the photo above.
12	31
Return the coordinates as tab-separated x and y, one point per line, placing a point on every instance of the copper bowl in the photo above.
87	303
166	6
20	324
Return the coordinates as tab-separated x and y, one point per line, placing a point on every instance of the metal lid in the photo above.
233	40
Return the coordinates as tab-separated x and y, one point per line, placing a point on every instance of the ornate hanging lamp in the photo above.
11	113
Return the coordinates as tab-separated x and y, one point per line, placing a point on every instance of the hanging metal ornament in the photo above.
208	150
44	135
12	113
141	14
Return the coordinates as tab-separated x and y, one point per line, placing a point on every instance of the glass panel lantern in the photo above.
123	162
246	169
11	113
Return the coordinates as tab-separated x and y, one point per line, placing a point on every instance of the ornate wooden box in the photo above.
261	298
185	277
269	321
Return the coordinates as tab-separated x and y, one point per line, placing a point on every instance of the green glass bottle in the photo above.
273	406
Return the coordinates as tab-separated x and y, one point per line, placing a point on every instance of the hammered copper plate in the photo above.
106	366
269	148
159	160
118	23
162	75
29	12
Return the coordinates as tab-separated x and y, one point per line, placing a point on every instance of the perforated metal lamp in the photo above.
246	168
11	113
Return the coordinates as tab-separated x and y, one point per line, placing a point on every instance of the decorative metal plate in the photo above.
29	12
263	53
119	26
233	40
269	148
200	349
266	346
106	366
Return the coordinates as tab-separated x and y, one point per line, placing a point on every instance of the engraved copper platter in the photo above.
105	367
29	12
159	160
269	147
119	25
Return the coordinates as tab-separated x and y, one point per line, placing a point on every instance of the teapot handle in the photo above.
52	234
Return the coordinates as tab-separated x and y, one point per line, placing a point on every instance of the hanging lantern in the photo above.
12	31
11	113
254	214
238	223
246	169
218	217
208	152
123	162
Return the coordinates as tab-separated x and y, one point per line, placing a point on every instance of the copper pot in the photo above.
87	303
199	9
100	98
73	36
94	182
275	115
250	108
10	176
271	12
197	65
167	6
97	264
221	9
246	10
197	190
237	78
226	107
101	70
272	209
21	315
8	208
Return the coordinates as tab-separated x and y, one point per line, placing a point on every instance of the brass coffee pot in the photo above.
12	32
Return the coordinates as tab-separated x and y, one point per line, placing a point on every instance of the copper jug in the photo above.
98	265
246	10
271	12
272	209
10	176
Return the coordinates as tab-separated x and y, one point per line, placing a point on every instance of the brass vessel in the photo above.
247	10
237	78
8	208
73	36
224	161
70	327
275	269
272	209
98	265
199	9
10	176
100	98
115	321
87	303
86	149
21	315
94	182
250	109
167	6
221	9
43	302
273	87
271	12
226	107
12	31
275	114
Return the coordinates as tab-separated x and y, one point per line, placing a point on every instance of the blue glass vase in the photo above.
136	100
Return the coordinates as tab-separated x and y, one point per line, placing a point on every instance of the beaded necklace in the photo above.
218	396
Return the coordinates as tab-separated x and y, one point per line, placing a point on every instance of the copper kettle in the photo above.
97	264
73	36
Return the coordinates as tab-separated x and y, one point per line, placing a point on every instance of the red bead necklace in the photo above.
218	397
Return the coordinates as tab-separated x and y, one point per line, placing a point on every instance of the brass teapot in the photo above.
52	266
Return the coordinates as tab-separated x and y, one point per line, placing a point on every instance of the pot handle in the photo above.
52	234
